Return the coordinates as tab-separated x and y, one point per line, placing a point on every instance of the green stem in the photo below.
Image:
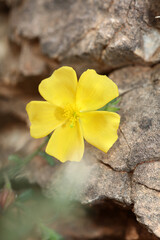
7	181
13	169
36	152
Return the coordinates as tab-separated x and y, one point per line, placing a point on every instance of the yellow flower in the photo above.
70	110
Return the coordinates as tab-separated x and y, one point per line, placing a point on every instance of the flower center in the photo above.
72	114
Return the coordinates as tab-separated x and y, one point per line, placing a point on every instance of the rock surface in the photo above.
140	114
100	34
121	38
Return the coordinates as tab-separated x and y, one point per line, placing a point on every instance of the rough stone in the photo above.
146	207
91	181
9	55
12	3
29	63
14	138
148	174
102	34
140	113
13	102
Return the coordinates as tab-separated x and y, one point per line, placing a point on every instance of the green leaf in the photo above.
49	234
115	101
48	158
26	195
111	106
14	158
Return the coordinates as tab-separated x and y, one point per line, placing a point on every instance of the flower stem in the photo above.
14	169
36	152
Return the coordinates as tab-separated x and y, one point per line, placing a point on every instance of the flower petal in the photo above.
66	143
100	128
60	88
44	118
94	91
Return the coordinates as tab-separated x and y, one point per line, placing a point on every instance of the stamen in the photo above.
71	114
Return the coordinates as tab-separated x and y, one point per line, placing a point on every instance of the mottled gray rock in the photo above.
139	134
103	182
9	56
146	207
146	195
101	34
30	64
12	3
148	174
92	181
